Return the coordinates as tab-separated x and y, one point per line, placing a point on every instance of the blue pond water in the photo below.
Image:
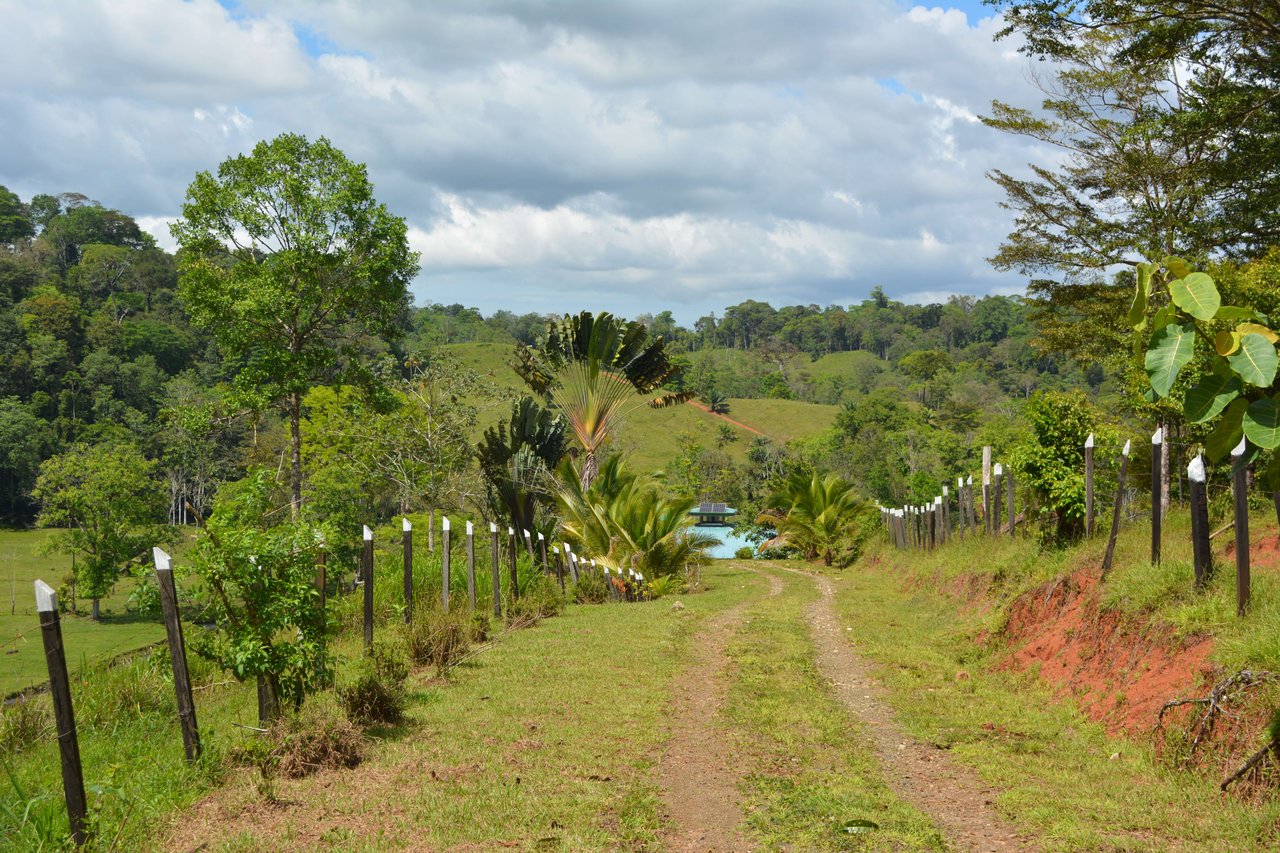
729	542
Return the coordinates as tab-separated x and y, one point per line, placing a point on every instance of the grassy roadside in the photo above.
812	768
1061	778
545	741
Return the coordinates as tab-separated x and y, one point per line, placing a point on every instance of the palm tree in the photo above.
594	368
819	515
515	460
627	520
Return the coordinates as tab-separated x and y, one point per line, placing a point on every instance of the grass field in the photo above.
22	664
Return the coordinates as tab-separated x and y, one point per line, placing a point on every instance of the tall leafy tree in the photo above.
593	368
288	259
109	505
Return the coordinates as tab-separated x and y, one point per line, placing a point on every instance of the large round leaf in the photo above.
1226	435
1262	423
1197	295
1210	396
1226	342
1171	348
1255	361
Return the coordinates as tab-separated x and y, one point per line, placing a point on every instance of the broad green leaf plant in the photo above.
1238	393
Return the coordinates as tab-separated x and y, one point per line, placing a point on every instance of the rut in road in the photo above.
696	772
951	795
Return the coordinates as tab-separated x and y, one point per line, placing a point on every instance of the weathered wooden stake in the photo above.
177	653
1115	513
986	481
1013	518
497	586
1199	522
471	565
998	472
946	513
1157	441
986	507
1240	491
969	498
366	570
444	563
559	555
573	566
1088	486
528	544
511	563
406	542
542	553
60	689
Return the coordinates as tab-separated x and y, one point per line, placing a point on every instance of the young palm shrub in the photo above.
628	521
818	515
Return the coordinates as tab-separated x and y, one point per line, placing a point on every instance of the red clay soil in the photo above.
1119	673
1264	554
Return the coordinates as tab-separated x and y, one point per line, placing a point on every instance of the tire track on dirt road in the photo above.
696	772
951	795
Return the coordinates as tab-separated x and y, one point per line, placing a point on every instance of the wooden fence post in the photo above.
573	566
1115	514
986	481
998	473
528	544
973	518
1088	487
1199	522
1013	518
1157	441
986	506
406	542
497	585
366	560
444	563
471	564
542	553
511	563
946	513
60	689
177	653
1240	490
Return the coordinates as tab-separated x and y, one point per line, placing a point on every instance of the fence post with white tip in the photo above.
444	563
511	563
1115	513
497	585
366	570
406	542
1088	487
997	474
1157	443
60	690
1240	492
177	653
471	564
1201	554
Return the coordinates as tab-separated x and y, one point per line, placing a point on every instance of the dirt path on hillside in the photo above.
951	795
696	772
739	424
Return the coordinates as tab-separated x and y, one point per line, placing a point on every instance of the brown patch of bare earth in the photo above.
951	795
696	772
1118	673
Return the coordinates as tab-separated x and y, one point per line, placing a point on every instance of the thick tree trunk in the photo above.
589	469
97	614
295	454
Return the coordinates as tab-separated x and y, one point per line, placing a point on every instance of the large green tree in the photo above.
108	504
288	259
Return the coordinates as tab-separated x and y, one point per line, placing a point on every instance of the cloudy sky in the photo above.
637	155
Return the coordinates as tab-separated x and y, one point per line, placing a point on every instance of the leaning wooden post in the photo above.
1088	487
444	563
177	653
528	544
1240	491
1199	521
366	570
406	542
542	553
1008	487
573	566
60	689
511	563
998	473
471	565
497	585
1115	513
1157	442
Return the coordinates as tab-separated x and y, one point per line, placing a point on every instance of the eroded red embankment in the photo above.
1118	672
